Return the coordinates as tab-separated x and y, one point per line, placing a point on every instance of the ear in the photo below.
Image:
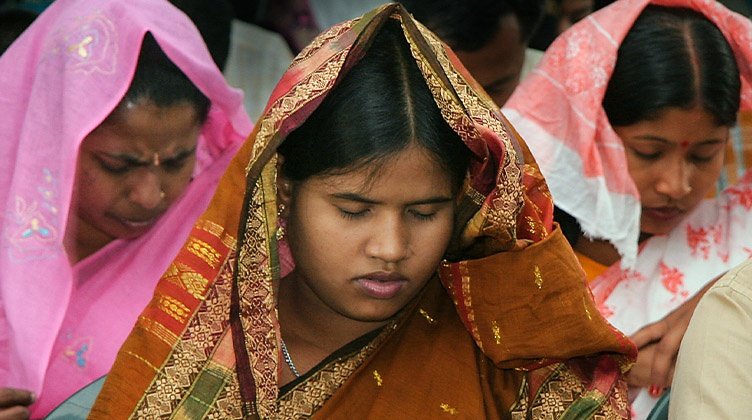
284	188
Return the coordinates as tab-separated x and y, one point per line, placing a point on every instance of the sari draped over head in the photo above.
506	323
62	324
559	111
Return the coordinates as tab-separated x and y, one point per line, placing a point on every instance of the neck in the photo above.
598	250
311	330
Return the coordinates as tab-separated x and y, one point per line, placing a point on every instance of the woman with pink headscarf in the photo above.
116	127
629	115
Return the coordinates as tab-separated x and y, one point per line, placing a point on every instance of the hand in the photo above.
14	402
658	345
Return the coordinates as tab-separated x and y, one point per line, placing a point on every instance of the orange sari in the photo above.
507	329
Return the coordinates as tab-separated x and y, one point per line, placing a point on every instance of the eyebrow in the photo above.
665	141
360	199
130	160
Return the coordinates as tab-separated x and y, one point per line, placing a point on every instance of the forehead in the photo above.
144	125
411	172
677	125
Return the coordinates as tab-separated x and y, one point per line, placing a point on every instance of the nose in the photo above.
145	189
389	240
674	180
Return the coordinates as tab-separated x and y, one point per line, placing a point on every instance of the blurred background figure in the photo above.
490	37
559	16
252	58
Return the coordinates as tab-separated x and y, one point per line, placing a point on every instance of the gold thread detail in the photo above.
538	277
449	409
146	362
377	377
587	311
173	308
204	251
427	317
496	332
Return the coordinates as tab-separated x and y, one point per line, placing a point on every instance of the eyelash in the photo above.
169	166
647	156
656	156
116	170
423	216
349	215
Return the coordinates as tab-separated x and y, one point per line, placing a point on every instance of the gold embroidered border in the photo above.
308	397
508	196
191	353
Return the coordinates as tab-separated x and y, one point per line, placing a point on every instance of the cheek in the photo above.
642	177
178	181
432	242
704	180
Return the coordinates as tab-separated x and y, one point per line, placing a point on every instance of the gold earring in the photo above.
162	194
280	233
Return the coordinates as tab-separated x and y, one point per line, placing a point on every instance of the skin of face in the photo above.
498	64
675	161
365	243
130	169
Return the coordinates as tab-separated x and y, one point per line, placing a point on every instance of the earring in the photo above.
280	233
162	194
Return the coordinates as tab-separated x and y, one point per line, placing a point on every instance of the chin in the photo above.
374	316
656	230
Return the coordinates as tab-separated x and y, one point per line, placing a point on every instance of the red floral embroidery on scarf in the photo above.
748	251
740	195
700	240
673	280
604	286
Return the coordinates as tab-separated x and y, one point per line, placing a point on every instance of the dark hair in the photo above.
160	81
468	25
13	22
672	57
380	107
213	18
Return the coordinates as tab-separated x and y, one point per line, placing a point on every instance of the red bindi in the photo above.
684	144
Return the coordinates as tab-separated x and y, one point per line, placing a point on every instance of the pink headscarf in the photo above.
61	325
558	110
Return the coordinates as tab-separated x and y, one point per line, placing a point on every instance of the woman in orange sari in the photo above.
393	256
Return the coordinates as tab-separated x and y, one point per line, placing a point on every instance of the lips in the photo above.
381	285
664	214
136	225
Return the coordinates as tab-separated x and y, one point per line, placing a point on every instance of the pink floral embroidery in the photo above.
700	240
88	44
740	195
603	286
673	281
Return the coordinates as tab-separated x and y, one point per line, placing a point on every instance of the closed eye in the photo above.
647	156
113	168
173	165
422	216
350	215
